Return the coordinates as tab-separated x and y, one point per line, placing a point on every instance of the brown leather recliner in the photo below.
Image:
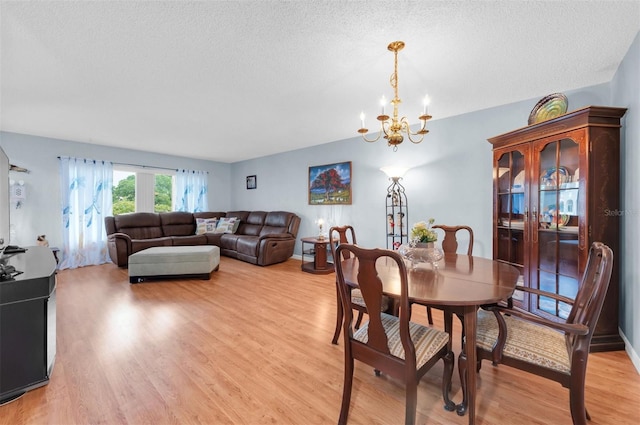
262	238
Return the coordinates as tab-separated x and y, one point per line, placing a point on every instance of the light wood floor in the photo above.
252	346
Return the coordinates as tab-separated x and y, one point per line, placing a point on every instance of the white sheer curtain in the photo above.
191	191
86	187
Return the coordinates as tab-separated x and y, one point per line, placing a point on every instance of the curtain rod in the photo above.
144	166
157	168
134	165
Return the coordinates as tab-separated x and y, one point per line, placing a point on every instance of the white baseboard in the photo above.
635	359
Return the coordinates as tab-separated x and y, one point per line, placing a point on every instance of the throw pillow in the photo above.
205	225
227	225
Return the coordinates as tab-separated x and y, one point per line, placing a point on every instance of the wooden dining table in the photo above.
460	284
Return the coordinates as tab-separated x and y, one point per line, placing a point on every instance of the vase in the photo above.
422	252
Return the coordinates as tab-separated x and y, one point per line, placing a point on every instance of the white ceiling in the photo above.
234	80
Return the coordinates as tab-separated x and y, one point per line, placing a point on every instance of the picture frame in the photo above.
252	182
330	184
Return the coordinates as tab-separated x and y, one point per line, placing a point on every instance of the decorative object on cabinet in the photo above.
393	127
252	182
549	107
396	208
330	184
545	229
554	178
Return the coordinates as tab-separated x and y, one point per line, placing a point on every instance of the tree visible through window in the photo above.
124	192
124	195
162	199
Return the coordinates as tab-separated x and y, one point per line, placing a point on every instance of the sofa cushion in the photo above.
276	222
229	241
242	215
253	224
247	245
206	225
213	238
192	240
177	223
139	225
140	244
210	214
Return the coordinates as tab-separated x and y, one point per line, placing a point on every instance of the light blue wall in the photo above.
450	179
41	212
626	93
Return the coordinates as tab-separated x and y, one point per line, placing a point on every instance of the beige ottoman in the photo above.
174	261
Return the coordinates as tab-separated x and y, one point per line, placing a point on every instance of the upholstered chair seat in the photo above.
428	341
525	341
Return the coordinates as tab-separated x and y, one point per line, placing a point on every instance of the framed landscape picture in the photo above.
330	184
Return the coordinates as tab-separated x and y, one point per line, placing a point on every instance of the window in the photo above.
138	189
124	191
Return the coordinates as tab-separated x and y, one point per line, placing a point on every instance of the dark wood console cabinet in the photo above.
556	189
27	322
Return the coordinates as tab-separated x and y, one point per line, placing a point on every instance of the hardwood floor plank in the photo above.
253	346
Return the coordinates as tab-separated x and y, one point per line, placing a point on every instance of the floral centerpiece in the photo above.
421	232
421	248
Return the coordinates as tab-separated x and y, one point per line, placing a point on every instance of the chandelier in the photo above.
393	127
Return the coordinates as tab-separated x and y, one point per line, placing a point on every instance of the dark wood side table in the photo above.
320	264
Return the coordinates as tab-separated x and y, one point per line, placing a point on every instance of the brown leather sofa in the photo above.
262	238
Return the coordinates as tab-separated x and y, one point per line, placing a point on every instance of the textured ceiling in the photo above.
233	80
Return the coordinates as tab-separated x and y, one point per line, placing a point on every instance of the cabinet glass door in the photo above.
555	239
512	212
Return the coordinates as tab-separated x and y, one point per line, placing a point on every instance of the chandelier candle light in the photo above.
394	127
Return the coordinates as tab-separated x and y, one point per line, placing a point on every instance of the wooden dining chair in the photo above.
339	235
450	245
552	350
391	344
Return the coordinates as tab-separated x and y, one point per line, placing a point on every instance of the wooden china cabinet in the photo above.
556	189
